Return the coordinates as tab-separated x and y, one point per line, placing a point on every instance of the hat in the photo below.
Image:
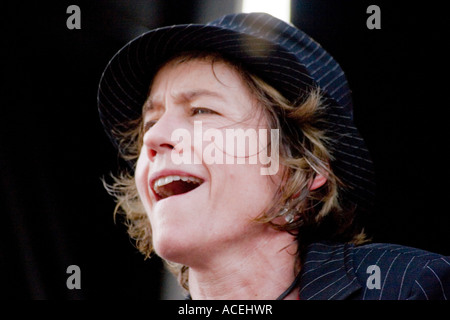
279	53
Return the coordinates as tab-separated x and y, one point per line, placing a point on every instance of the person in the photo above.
247	175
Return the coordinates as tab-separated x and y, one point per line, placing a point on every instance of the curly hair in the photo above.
306	150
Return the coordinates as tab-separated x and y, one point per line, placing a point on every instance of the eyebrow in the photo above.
186	96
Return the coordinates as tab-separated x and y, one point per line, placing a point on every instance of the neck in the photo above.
263	270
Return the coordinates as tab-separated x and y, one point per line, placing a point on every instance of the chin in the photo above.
171	247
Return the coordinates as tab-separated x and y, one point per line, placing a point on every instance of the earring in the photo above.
289	214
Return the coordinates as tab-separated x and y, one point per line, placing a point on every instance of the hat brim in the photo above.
126	79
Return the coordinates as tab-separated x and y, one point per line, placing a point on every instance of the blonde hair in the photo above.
305	151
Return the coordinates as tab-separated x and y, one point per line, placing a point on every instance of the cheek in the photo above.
242	190
141	180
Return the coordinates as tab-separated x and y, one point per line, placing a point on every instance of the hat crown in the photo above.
322	69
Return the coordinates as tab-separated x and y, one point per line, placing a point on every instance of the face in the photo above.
200	209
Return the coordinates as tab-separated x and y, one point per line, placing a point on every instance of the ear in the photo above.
319	180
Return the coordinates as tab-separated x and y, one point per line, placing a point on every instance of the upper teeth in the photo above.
168	179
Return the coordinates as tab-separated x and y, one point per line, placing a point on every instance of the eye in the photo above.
149	124
200	111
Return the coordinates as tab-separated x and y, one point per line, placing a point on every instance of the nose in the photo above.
157	140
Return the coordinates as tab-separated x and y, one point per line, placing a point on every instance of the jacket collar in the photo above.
327	273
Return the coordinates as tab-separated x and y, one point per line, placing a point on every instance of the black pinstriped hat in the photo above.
279	53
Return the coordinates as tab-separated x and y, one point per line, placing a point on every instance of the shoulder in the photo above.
396	272
376	271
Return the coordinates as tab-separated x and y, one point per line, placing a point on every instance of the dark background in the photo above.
54	211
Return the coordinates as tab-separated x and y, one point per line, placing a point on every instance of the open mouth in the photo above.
172	185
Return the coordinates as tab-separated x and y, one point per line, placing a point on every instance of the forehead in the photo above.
207	70
198	77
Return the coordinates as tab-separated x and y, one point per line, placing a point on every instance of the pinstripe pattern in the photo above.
279	53
339	271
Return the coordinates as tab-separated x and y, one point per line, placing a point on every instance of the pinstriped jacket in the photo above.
373	272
